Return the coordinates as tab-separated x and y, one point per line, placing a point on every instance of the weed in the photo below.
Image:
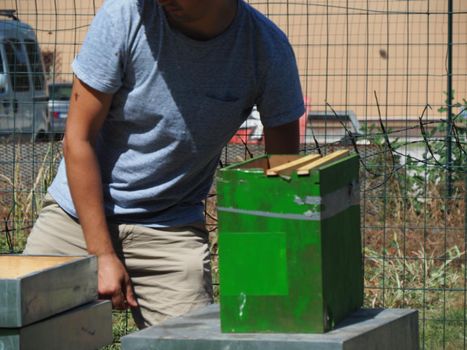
122	324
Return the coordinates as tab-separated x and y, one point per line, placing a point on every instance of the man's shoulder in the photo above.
270	42
127	7
125	15
263	27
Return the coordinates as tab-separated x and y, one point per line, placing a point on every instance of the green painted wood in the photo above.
316	217
10	306
271	254
341	243
9	339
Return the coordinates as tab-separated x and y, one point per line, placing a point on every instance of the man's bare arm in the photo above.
283	139
88	109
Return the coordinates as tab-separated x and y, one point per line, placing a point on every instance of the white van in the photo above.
23	89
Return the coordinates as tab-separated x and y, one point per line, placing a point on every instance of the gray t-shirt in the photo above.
177	102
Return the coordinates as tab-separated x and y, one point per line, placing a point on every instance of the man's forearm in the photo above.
86	190
283	139
87	112
85	185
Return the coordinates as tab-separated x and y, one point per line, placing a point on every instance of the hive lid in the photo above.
18	266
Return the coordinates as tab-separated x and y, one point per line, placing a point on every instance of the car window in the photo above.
2	74
2	70
17	65
34	57
60	92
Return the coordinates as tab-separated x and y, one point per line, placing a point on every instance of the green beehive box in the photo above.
290	256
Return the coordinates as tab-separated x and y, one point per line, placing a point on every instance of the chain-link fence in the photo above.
384	78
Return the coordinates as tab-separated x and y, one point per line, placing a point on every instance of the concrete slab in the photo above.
87	327
381	329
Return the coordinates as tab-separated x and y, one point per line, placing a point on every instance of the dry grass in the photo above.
21	196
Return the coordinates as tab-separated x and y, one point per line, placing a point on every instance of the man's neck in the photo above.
213	24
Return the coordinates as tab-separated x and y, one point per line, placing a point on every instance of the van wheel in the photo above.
43	136
58	136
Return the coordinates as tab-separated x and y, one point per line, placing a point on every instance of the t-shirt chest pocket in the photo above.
230	110
217	118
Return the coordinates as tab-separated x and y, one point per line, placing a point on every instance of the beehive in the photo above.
35	287
86	327
289	243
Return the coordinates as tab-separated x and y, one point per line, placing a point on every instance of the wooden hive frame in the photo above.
305	164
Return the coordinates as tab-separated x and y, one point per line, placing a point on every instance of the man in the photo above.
160	88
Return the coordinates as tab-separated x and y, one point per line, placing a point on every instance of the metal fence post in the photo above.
449	102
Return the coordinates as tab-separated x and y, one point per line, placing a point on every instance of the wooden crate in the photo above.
290	255
87	327
35	287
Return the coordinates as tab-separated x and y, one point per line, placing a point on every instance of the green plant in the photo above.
122	324
441	334
424	282
413	231
395	280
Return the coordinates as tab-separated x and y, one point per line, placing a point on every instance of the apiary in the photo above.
289	243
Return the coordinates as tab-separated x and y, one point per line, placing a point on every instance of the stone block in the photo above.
381	329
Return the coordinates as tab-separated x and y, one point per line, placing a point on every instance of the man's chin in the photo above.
178	16
180	19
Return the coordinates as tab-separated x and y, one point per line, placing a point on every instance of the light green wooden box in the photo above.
87	327
33	288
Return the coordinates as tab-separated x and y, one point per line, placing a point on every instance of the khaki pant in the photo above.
169	268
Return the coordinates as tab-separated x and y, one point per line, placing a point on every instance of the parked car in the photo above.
23	91
251	130
59	101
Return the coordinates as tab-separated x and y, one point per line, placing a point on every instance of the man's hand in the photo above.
114	282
